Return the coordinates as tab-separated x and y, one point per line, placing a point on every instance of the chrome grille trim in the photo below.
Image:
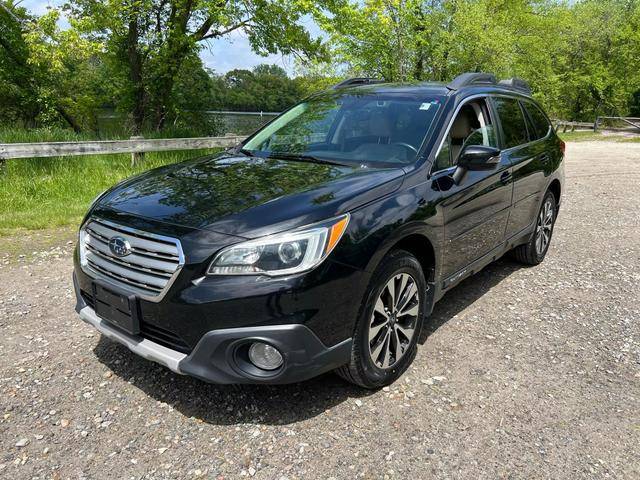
148	271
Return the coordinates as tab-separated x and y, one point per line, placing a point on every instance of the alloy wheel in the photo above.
393	321
544	226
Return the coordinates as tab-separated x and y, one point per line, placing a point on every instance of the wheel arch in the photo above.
417	242
556	189
420	247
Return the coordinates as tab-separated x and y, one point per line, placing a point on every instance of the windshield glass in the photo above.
368	128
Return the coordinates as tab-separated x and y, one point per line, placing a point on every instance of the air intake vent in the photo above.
164	337
140	262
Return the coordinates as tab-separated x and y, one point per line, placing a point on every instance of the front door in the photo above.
476	209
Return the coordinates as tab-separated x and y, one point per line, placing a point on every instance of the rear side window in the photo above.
539	120
512	121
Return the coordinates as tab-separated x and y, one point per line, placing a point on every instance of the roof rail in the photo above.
470	79
352	82
517	84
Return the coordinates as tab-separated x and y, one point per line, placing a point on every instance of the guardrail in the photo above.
137	146
633	124
572	126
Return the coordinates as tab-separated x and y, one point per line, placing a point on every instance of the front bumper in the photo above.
220	355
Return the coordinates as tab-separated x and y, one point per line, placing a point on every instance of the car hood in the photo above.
248	196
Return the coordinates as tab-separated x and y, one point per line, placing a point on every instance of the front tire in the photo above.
389	325
534	251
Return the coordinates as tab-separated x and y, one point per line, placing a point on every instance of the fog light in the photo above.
265	356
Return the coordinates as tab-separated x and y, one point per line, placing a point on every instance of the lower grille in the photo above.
164	337
88	299
156	334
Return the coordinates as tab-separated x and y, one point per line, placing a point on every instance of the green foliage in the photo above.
140	57
151	46
267	88
581	58
46	71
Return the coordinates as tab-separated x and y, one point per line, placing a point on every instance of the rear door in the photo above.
525	147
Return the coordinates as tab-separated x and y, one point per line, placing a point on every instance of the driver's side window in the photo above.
472	126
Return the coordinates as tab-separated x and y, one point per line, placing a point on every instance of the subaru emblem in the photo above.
119	247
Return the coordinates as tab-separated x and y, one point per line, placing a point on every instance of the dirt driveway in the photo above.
524	373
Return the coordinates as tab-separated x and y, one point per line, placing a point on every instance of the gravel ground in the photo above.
523	373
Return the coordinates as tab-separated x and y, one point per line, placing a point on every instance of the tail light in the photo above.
563	146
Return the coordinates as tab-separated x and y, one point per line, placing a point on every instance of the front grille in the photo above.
149	268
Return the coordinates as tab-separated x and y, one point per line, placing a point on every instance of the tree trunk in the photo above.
176	49
135	74
68	118
176	53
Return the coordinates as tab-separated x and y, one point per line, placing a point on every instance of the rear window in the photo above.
540	123
512	121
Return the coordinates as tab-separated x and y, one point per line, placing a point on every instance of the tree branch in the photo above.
218	33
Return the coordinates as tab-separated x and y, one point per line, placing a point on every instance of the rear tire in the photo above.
389	324
534	251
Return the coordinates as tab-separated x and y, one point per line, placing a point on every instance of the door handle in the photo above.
544	158
505	177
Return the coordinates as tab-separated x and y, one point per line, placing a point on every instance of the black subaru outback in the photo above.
323	241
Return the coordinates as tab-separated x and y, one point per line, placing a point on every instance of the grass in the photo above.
39	193
581	136
589	136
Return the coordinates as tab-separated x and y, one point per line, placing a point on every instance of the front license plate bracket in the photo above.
117	309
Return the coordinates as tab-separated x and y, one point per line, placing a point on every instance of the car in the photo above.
323	240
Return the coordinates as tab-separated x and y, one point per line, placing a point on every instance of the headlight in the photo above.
283	253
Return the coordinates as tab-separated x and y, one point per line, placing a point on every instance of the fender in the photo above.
405	231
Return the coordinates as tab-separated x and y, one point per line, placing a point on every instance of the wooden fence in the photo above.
137	146
631	124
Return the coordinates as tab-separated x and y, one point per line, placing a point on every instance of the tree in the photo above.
579	57
267	88
41	67
598	58
149	40
373	37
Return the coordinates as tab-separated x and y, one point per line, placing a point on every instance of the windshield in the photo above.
381	129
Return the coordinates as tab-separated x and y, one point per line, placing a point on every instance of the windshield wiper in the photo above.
246	152
306	158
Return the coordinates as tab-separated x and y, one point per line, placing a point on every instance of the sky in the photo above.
220	55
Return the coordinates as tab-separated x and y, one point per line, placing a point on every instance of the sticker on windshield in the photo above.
426	105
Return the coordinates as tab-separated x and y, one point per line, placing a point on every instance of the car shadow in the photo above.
467	292
273	404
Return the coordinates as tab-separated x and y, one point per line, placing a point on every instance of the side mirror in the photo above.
479	157
476	157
